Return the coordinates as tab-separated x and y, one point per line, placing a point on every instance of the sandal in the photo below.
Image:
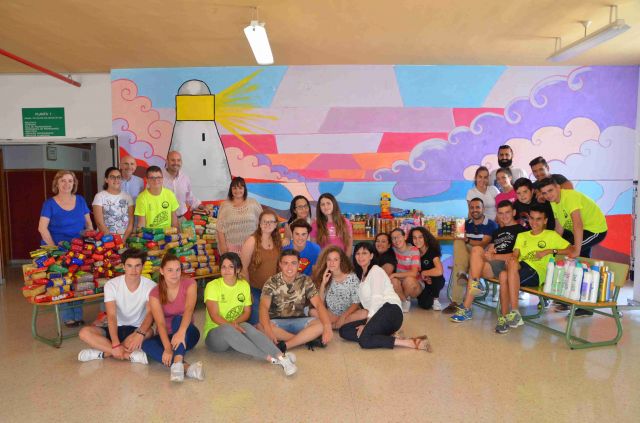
70	323
422	343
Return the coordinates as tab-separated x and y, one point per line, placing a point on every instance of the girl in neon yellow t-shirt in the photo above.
228	301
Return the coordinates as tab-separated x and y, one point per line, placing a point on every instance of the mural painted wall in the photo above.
418	132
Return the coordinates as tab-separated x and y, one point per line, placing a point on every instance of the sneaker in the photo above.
514	319
90	354
521	295
287	365
195	371
292	357
475	288
177	372
502	326
436	305
462	315
581	312
406	305
138	356
560	307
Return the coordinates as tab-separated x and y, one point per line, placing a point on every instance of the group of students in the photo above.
276	292
357	298
535	220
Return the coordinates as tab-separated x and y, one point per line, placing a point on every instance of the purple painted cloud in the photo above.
606	95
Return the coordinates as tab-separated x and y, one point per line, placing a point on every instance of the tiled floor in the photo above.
473	375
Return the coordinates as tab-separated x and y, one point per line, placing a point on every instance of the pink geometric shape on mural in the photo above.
346	143
263	144
388	119
291	120
404	142
331	86
334	161
464	117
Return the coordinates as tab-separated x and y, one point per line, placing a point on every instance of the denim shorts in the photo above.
293	325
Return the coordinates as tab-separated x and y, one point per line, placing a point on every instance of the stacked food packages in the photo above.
193	245
73	269
366	225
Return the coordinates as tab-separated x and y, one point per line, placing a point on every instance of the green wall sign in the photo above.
43	122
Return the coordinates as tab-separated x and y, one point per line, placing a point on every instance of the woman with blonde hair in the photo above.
259	256
338	287
63	217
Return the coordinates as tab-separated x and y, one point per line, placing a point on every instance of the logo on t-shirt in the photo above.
241	297
165	204
302	264
542	244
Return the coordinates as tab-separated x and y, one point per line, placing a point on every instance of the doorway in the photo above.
28	170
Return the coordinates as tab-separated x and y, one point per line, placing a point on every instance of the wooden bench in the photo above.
621	274
54	307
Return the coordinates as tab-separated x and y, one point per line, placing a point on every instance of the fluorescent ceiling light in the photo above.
612	30
257	36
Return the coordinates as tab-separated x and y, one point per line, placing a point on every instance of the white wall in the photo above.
87	109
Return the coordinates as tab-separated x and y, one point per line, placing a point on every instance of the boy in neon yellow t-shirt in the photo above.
527	266
578	218
228	301
156	206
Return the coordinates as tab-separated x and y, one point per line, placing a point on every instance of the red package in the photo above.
73	269
77	248
77	241
98	257
117	239
109	244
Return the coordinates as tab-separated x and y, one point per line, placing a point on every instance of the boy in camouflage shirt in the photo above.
284	297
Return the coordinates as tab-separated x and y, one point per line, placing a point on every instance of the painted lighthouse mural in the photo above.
196	137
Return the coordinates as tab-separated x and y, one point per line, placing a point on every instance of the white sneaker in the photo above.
292	357
90	354
177	372
138	356
406	305
436	305
287	365
196	371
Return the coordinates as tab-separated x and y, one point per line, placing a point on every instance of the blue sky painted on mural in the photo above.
161	84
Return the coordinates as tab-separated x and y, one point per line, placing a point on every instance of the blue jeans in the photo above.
293	325
71	311
254	318
153	346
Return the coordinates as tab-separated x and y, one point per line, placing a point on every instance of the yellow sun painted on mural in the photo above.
233	107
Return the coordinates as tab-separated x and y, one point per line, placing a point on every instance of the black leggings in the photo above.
377	333
430	292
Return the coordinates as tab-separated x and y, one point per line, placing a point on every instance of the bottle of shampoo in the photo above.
548	280
576	282
595	283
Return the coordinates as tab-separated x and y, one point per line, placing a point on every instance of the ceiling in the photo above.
72	36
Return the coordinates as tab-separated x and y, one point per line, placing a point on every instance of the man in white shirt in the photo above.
179	183
131	184
129	321
505	159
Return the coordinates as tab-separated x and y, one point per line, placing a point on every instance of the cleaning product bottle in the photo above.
611	287
595	283
558	278
586	284
576	282
548	280
568	274
604	280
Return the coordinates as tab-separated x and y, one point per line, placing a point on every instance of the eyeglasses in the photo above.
268	222
115	178
154	178
302	207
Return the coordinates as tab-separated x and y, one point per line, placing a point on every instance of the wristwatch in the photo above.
554	252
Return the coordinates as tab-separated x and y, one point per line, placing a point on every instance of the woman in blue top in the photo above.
63	217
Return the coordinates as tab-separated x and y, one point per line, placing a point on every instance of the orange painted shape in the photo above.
350	174
373	161
292	161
